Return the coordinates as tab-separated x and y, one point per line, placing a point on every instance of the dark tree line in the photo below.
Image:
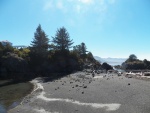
45	56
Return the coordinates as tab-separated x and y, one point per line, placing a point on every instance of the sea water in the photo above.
11	95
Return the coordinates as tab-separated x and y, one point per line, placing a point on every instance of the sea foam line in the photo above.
43	111
99	77
108	107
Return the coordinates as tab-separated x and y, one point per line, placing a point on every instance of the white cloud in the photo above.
59	5
101	2
48	5
78	5
53	4
111	1
86	1
79	9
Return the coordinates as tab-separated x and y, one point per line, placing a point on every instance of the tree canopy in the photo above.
40	42
39	49
42	58
62	39
132	57
132	63
80	49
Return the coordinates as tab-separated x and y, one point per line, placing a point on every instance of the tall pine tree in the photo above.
40	42
39	47
83	48
62	39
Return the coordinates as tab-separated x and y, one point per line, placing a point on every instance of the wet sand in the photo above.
81	93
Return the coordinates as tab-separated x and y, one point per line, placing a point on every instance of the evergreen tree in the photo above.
83	48
39	49
77	49
90	57
62	39
80	49
40	42
132	58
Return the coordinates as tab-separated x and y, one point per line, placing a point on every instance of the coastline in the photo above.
32	90
74	93
30	95
12	94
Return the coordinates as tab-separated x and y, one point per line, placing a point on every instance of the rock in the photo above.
77	85
128	83
82	92
84	86
107	78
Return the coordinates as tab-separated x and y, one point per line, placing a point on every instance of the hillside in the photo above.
111	61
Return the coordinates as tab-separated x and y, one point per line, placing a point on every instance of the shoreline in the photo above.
72	93
21	101
30	95
32	90
35	87
24	97
13	94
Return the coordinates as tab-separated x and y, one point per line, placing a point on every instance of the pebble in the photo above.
77	85
85	87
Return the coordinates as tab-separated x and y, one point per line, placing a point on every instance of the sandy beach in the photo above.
81	93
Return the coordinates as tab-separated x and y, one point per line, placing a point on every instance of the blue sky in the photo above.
109	28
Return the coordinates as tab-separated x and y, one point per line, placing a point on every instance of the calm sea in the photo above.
11	95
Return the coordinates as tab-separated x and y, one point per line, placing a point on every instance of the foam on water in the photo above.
38	86
43	111
108	107
99	77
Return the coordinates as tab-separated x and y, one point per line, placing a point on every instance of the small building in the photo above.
6	42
